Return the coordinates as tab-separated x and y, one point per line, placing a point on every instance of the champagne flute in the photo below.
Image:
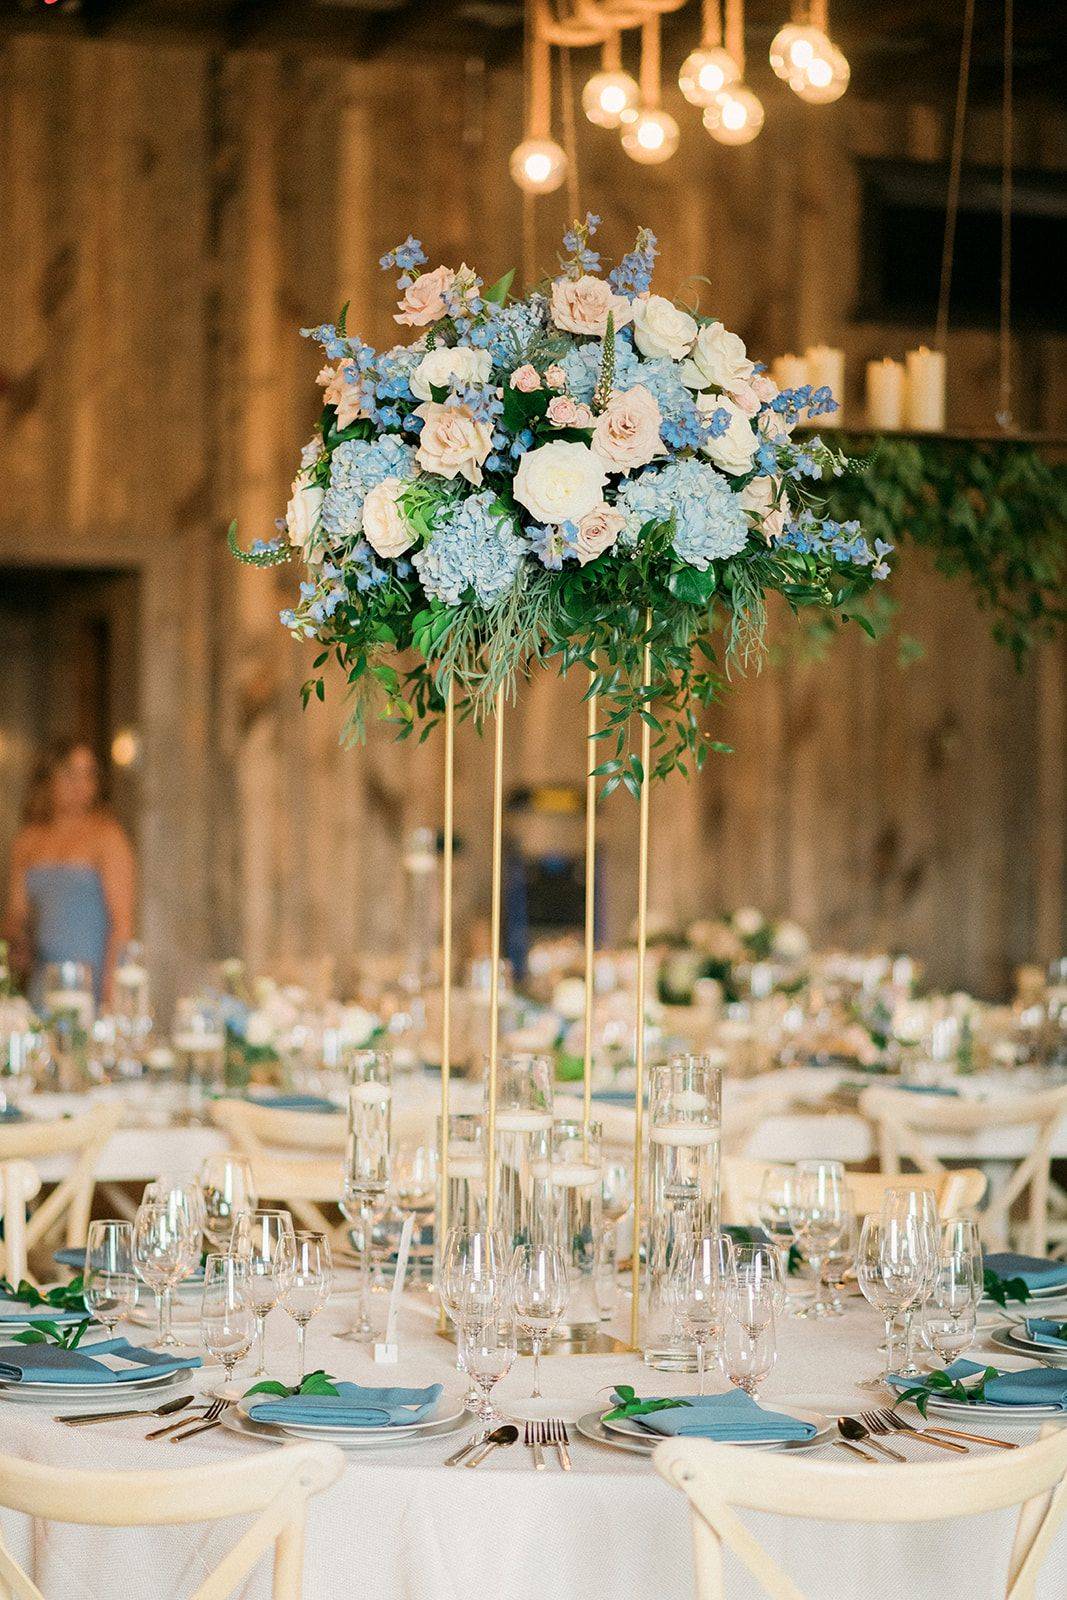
227	1321
616	1198
818	1215
774	1210
307	1276
261	1239
916	1209
539	1291
749	1337
889	1270
166	1249
110	1282
698	1288
367	1164
228	1188
841	1256
950	1310
761	1265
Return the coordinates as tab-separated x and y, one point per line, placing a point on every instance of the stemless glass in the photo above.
110	1280
890	1270
818	1216
166	1249
698	1286
307	1277
749	1337
261	1238
367	1167
488	1344
227	1320
916	1209
228	1188
539	1291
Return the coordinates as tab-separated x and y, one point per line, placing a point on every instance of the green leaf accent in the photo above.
631	1405
50	1333
1004	1289
264	558
692	586
317	1382
64	1297
498	292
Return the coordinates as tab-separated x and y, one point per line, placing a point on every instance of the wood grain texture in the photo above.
170	216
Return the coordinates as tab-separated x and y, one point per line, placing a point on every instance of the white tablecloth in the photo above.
400	1526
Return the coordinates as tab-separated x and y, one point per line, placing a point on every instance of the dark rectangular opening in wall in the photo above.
902	231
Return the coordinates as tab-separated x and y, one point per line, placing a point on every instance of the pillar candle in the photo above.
885	394
826	369
790	372
924	390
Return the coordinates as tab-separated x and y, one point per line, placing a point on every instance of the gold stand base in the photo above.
595	1344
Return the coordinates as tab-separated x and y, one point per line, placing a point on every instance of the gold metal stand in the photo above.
590	908
441	1221
494	955
639	1040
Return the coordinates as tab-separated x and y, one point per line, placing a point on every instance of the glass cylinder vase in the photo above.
523	1123
684	1125
568	1206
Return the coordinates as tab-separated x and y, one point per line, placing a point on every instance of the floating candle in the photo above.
694	1134
522	1121
924	390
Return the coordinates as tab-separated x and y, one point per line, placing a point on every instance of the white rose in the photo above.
732	452
302	514
440	366
560	482
355	1025
718	358
758	498
790	942
661	328
748	921
384	527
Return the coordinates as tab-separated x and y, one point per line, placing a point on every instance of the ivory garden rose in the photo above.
560	482
440	366
384	526
302	515
718	358
453	443
661	328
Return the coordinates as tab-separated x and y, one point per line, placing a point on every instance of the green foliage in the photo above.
276	557
938	1385
64	1297
1004	1289
67	1338
993	514
317	1382
628	1404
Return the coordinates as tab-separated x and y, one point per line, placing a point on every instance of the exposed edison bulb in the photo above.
793	47
705	72
652	136
538	165
824	78
735	115
608	96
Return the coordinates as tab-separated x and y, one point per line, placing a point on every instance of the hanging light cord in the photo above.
1004	414
952	203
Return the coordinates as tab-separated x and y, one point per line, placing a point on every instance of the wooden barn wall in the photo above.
171	217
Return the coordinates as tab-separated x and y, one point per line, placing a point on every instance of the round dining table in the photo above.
400	1525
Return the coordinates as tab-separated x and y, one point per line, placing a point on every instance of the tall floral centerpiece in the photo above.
593	474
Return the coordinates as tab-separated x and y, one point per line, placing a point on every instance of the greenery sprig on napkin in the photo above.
1004	1289
317	1382
64	1297
67	1338
629	1404
938	1385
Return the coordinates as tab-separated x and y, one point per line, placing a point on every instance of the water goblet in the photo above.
261	1239
889	1270
110	1282
749	1345
761	1265
228	1188
818	1215
539	1294
227	1319
166	1249
488	1344
307	1277
916	1209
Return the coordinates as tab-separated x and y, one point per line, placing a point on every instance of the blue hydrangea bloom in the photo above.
475	547
509	330
355	467
582	366
709	521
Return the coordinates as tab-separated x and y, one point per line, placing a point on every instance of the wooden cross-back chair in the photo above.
81	1139
1031	1477
957	1193
909	1126
275	1488
19	1183
295	1156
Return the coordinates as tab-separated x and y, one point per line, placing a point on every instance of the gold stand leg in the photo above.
446	971
590	911
639	1042
494	955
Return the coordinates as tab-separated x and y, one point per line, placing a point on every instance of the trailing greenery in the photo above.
317	1382
629	1404
68	1338
992	513
64	1297
939	1386
1004	1289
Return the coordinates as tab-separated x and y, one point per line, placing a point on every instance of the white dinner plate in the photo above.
630	1428
67	1393
354	1439
449	1407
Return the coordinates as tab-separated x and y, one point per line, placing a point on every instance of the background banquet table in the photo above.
400	1526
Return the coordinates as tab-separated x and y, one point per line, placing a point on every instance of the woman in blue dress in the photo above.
72	873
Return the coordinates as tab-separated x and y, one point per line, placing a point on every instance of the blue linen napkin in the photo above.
73	1256
351	1407
733	1415
13	1310
928	1088
1034	1386
12	1114
1035	1271
50	1363
614	1097
295	1102
1043	1331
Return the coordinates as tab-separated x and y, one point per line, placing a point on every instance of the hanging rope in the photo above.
1007	125
952	202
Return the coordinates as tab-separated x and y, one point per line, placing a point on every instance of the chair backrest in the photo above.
908	1127
309	1177
779	1094
957	1193
82	1139
19	1183
274	1487
1031	1477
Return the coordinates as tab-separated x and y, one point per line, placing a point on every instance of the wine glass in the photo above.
749	1337
487	1341
817	1215
774	1209
228	1188
307	1276
227	1319
698	1284
182	1198
110	1282
889	1269
539	1294
761	1265
950	1310
261	1238
166	1249
916	1209
470	1257
616	1198
841	1256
